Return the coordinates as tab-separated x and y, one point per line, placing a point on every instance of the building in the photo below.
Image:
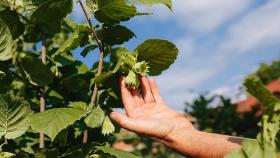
248	104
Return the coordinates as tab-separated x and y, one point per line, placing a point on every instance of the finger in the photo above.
127	98
155	90
124	121
142	127
137	98
130	124
146	90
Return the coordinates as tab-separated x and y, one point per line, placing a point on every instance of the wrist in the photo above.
181	137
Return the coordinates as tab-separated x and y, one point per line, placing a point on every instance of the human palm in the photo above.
146	112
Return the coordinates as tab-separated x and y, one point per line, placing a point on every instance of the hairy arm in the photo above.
147	114
201	144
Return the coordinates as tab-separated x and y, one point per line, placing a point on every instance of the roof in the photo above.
248	104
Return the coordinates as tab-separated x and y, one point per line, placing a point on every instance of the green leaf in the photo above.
79	105
64	59
6	81
107	126
6	42
7	154
168	3
2	75
74	40
53	97
252	148
74	68
159	54
51	122
13	116
95	118
37	73
113	35
87	49
4	4
111	11
77	83
256	88
115	152
16	4
103	77
43	11
12	20
236	153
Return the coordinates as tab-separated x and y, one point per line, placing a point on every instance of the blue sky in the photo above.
220	42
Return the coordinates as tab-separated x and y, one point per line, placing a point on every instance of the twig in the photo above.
42	91
100	64
23	17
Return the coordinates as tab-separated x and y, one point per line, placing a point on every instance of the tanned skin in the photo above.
148	115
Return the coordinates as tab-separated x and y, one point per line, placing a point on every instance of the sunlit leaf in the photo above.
6	42
107	126
256	88
2	75
51	122
13	116
115	152
74	40
78	105
95	118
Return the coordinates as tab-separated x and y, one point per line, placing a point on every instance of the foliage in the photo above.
269	72
267	143
217	114
146	147
16	123
78	98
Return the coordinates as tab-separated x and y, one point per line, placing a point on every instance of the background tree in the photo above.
217	114
269	72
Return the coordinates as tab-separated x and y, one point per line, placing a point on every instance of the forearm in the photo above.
201	144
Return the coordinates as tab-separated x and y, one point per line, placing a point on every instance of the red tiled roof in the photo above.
248	104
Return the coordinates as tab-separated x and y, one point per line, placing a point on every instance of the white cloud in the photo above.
202	15
176	85
199	62
258	29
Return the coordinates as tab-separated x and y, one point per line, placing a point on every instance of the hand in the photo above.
147	114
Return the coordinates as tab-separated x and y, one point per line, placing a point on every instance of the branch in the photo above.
23	17
100	64
42	91
101	55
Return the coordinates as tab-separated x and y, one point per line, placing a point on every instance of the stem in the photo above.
4	143
23	17
100	64
42	91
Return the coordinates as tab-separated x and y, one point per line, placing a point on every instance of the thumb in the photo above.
123	120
